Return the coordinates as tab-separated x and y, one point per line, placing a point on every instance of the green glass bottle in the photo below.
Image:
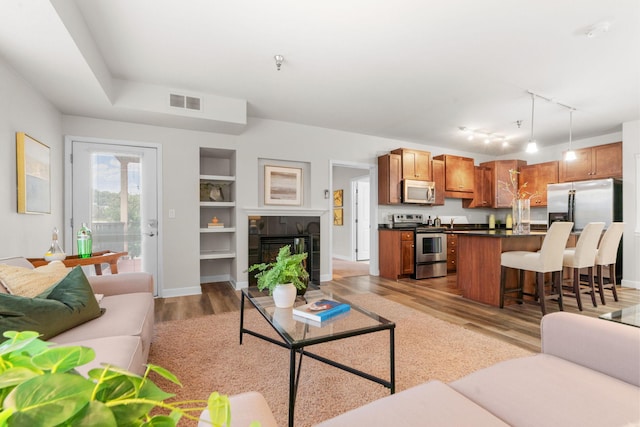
84	241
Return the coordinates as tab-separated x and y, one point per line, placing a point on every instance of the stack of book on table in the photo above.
215	225
321	310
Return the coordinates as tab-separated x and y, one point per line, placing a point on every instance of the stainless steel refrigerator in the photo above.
583	202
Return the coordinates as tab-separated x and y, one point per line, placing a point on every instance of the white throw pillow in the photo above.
28	282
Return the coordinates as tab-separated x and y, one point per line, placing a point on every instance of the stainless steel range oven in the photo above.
430	245
431	253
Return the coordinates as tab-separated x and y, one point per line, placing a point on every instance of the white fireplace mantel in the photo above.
260	211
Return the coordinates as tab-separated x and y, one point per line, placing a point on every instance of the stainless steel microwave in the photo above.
420	192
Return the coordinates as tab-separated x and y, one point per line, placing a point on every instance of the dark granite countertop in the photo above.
495	233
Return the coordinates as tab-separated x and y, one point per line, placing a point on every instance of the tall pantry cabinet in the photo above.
217	214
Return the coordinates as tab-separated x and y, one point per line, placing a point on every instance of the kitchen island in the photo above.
478	271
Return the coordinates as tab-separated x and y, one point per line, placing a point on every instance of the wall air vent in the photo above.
176	100
182	101
193	103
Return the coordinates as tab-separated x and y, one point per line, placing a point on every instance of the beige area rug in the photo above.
206	356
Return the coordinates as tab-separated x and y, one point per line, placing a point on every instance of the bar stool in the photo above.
584	256
547	260
606	256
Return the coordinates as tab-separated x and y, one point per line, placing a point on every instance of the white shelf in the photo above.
217	254
217	178
217	204
218	230
217	248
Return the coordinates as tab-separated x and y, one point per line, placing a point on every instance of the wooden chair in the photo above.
584	256
606	256
547	260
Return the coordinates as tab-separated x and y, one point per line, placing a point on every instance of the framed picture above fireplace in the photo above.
282	186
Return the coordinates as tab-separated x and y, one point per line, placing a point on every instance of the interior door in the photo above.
115	192
362	219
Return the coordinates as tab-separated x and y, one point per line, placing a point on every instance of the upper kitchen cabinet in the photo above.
500	173
389	179
537	177
483	187
415	164
437	169
459	176
600	161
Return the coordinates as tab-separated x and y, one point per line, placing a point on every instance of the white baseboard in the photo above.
342	257
216	278
181	292
630	284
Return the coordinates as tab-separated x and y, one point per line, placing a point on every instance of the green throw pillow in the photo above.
67	304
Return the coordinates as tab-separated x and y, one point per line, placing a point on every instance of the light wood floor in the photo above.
516	324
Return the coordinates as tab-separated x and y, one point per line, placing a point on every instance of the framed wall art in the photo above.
282	186
337	216
33	165
337	198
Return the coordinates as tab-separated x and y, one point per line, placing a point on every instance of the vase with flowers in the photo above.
521	203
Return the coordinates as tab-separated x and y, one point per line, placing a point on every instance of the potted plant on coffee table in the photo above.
283	277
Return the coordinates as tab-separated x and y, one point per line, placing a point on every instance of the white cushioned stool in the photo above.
547	260
584	256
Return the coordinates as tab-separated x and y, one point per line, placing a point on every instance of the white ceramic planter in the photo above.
284	295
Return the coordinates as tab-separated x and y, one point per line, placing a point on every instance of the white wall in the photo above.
22	109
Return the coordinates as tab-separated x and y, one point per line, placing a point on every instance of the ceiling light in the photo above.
532	147
570	155
279	60
487	137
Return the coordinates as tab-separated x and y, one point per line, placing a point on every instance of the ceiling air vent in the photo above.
182	101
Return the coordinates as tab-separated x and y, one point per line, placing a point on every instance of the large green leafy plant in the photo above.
287	268
40	387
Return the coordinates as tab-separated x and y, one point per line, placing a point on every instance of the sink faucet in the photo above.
452	222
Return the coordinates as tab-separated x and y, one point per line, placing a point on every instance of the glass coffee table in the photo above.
628	316
297	334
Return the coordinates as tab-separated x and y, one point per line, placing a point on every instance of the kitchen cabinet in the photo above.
416	164
389	179
452	252
217	214
600	161
437	169
501	196
482	194
459	176
396	253
537	176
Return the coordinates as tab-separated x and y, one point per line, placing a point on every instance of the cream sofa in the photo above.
588	374
122	335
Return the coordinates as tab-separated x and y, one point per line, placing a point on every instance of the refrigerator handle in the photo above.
572	205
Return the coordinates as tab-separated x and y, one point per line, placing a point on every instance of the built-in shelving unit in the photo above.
217	205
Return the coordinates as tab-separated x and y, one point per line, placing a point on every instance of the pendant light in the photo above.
570	155
532	147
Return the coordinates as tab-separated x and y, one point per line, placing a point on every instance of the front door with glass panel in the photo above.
115	192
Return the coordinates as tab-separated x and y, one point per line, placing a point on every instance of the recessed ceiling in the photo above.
409	70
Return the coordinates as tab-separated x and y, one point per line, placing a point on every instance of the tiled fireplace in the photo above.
267	234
